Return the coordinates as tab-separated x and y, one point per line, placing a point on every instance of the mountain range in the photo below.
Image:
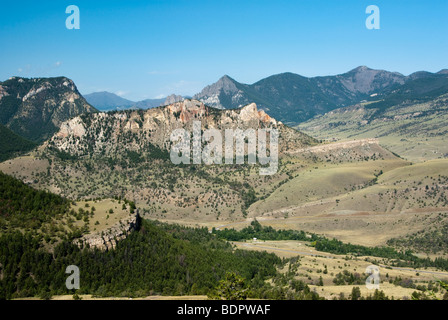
34	109
107	101
292	98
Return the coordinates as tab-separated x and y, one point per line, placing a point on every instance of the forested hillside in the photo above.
12	144
157	259
24	207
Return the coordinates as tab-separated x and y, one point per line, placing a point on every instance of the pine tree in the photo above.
232	287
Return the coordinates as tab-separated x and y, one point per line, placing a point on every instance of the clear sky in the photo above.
148	49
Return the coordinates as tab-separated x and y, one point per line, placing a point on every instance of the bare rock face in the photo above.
186	111
74	127
3	92
251	113
108	239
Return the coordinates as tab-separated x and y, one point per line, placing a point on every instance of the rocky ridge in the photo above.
108	238
102	132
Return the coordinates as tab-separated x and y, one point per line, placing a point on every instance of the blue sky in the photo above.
148	49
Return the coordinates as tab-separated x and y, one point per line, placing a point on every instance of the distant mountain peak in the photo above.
365	69
213	94
107	101
364	80
226	77
443	71
360	69
226	81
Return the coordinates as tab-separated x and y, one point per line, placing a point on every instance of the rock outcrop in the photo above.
107	239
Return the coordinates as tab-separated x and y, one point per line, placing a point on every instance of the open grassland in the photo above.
106	212
322	184
320	269
369	209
